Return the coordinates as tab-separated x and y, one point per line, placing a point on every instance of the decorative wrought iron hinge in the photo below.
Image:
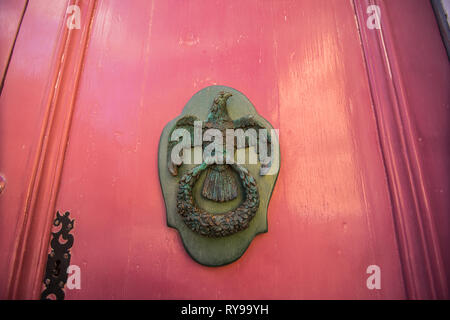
58	259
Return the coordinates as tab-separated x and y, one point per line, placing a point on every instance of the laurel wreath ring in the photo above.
217	225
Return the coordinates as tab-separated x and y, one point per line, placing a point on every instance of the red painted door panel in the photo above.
10	17
329	218
128	71
23	105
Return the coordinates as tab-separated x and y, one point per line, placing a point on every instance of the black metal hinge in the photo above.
58	259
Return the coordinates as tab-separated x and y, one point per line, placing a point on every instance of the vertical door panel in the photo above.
301	64
23	105
426	76
10	18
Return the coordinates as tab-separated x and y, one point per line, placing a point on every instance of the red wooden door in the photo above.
363	166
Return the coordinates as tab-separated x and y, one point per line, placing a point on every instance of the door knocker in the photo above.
216	196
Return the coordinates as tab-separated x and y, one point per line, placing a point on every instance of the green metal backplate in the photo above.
205	250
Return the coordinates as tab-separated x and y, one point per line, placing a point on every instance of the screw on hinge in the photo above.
57	268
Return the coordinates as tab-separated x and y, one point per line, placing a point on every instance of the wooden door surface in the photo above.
363	166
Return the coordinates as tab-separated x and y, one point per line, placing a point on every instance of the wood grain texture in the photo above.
28	253
405	84
22	109
424	72
11	13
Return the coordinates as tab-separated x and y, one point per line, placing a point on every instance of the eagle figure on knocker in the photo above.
220	184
